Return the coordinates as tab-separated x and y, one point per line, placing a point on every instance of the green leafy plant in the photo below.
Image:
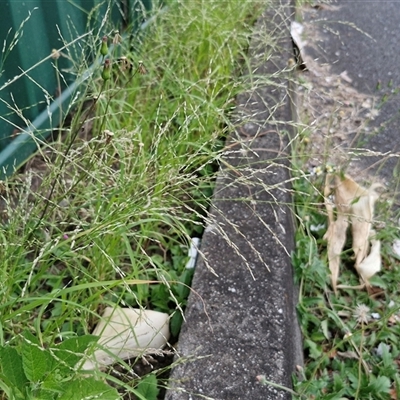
147	387
34	372
349	338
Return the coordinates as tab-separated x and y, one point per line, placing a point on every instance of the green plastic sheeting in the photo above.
31	104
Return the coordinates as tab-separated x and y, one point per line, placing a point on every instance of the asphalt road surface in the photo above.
362	37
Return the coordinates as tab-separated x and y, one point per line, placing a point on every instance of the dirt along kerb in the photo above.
340	120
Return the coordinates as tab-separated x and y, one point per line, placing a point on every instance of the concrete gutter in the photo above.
242	323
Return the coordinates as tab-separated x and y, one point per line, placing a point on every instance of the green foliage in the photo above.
12	370
88	388
350	343
105	213
32	371
147	387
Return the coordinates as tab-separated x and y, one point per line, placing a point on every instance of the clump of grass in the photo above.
124	189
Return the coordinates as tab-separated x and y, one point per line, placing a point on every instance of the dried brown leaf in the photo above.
372	263
362	212
355	206
336	237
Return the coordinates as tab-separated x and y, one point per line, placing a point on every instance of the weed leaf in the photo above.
36	361
78	344
44	394
315	352
11	365
147	387
72	350
176	323
88	389
381	384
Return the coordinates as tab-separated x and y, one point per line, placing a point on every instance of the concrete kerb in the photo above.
242	323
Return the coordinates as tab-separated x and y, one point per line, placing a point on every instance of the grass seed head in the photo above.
117	39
